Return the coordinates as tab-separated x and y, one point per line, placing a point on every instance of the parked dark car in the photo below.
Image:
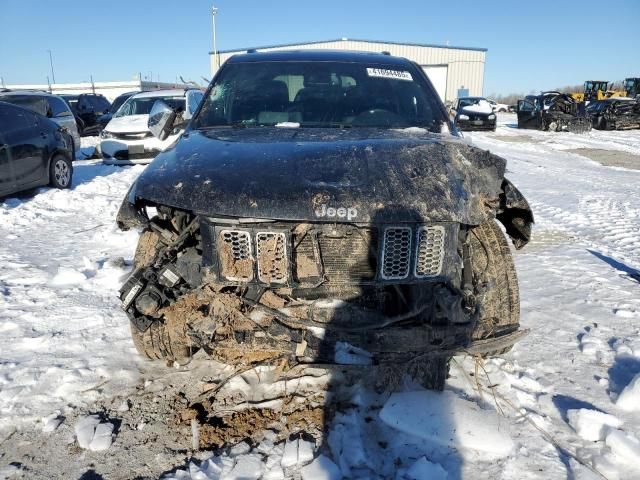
87	108
473	113
317	191
34	151
47	104
615	114
554	112
117	103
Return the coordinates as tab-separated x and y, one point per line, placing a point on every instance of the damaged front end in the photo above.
565	114
262	291
613	114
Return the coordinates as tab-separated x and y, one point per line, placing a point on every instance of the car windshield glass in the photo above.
468	102
117	103
142	105
34	103
320	94
100	103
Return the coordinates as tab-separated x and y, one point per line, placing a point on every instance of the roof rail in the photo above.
252	50
384	52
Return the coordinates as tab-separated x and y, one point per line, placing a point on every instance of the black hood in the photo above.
319	174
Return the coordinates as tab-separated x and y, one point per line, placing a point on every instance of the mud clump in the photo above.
271	258
246	424
251	424
232	265
147	249
306	267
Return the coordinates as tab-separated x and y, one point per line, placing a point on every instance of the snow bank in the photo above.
626	447
446	419
592	425
629	399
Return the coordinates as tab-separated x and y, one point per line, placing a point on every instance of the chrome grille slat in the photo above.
271	252
396	253
429	251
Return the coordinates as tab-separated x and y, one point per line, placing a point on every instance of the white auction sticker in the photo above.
384	73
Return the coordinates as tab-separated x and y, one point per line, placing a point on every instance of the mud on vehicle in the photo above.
299	216
554	112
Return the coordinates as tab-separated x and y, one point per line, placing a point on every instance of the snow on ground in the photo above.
562	404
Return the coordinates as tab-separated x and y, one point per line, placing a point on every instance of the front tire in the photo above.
60	171
495	284
158	342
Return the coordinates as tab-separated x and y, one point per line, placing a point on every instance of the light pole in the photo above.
214	10
53	77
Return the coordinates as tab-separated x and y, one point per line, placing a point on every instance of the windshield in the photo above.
117	103
320	94
142	105
32	102
468	102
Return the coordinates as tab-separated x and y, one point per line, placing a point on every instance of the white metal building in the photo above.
109	89
454	71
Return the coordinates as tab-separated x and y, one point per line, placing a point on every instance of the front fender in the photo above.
515	214
129	215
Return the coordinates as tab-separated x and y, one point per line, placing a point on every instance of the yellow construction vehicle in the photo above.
632	87
596	90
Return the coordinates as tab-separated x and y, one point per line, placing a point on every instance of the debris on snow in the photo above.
446	419
297	452
629	398
592	425
92	434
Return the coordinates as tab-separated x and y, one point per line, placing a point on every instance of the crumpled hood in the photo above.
356	175
128	124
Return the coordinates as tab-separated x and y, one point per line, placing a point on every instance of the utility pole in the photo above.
214	11
53	77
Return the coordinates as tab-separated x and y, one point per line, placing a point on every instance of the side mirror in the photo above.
161	119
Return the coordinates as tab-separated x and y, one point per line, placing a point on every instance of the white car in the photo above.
126	140
499	107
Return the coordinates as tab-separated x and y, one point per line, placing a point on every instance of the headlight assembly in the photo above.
491	117
104	134
463	117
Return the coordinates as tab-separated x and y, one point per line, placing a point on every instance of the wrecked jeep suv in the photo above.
553	112
320	207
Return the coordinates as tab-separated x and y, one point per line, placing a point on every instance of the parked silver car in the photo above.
51	106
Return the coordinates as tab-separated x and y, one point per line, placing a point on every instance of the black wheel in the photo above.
60	171
495	283
159	342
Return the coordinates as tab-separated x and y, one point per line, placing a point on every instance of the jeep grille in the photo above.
271	251
396	253
236	262
429	251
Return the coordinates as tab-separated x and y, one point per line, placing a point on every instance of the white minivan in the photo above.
126	140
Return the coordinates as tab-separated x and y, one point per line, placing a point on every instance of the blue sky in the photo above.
532	45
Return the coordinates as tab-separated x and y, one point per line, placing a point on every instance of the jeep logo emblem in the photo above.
341	212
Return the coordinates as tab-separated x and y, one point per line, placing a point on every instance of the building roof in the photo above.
283	45
318	56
